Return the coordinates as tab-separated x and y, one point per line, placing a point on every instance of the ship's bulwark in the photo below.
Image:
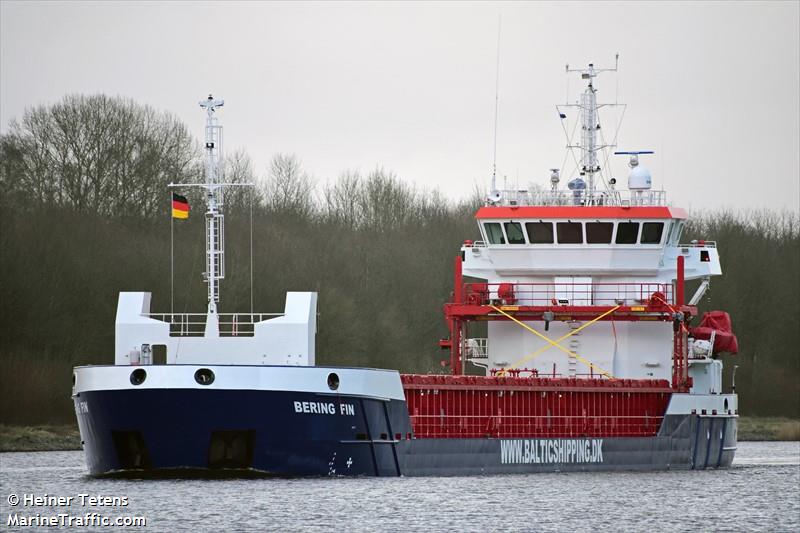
147	431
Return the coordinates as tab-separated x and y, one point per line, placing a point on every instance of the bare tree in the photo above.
342	199
287	188
98	154
386	202
238	168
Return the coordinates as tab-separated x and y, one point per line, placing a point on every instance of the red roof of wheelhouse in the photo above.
580	212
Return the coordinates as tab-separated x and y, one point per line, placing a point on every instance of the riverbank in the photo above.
39	438
768	428
66	437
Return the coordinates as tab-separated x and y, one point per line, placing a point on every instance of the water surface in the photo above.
761	492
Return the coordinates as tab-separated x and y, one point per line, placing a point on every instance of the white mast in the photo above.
590	126
215	220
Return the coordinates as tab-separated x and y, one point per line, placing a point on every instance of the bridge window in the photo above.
651	232
627	232
494	233
540	232
569	232
675	233
514	232
599	232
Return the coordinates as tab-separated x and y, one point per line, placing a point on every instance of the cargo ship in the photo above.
571	347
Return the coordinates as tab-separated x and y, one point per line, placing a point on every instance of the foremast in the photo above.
215	219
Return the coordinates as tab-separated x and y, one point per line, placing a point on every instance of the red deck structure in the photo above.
511	407
506	405
535	301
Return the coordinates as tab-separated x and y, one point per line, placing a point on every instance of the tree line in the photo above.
84	213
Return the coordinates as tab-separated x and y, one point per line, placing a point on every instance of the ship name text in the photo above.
324	408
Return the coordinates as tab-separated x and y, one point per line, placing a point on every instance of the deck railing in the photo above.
567	294
582	198
194	324
513	426
699	244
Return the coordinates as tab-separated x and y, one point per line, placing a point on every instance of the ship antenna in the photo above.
493	191
590	126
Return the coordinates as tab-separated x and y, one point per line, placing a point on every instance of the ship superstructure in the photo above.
569	317
599	268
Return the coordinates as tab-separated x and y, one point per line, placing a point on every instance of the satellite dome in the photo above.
639	179
576	184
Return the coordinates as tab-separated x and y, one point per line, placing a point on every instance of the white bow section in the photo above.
286	339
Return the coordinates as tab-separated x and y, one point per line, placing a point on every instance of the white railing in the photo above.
699	244
476	351
582	198
477	348
194	324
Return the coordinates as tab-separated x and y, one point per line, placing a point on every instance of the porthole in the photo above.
333	381
138	376
204	376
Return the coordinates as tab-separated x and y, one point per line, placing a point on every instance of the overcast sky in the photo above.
713	88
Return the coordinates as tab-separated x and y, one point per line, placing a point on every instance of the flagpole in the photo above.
251	255
171	259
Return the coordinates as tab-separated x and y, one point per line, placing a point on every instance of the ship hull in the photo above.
218	431
685	442
233	431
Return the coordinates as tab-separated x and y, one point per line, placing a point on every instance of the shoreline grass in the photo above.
66	437
768	428
39	438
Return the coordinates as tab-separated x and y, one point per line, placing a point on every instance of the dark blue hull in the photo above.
151	431
253	430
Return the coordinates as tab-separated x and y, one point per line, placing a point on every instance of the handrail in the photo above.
570	294
698	244
234	317
510	197
529	425
230	324
535	373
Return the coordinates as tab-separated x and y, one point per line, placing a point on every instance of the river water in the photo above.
761	492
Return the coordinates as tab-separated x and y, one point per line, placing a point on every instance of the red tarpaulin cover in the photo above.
719	321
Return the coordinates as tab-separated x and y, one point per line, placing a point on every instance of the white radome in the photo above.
639	179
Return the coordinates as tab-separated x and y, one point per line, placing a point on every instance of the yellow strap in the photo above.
555	343
573	332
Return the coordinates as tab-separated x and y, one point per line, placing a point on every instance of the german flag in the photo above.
180	206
